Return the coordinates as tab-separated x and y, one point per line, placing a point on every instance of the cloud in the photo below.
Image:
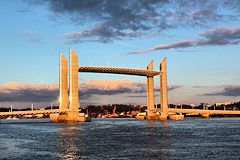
229	35
212	37
199	86
102	33
140	96
108	20
173	87
229	91
157	89
111	87
235	5
21	92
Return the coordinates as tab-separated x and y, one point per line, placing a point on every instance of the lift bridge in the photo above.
68	94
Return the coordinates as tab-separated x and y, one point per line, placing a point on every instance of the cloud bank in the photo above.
21	92
108	20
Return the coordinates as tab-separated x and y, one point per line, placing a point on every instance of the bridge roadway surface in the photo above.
170	110
173	110
119	70
50	111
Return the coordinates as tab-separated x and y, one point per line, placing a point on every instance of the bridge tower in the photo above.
63	83
150	94
163	90
69	113
74	103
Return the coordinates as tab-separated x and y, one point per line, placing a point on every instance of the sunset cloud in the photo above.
111	87
21	92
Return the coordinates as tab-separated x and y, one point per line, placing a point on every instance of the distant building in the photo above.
206	105
192	105
224	104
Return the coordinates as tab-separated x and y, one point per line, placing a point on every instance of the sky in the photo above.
200	39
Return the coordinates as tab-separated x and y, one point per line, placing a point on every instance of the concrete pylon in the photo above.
72	114
74	103
163	89
150	94
63	83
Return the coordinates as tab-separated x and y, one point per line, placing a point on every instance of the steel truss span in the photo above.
118	70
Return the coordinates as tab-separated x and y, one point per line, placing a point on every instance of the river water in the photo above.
193	138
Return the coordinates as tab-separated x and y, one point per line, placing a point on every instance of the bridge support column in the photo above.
63	83
163	90
71	113
74	103
150	94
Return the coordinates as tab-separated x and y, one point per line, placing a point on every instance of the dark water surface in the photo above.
193	138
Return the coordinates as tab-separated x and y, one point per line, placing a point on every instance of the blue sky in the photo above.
199	38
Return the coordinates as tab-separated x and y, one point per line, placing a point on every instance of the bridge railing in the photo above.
32	112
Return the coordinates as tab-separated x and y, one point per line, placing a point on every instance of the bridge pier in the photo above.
74	103
163	91
150	94
69	116
72	114
63	83
176	116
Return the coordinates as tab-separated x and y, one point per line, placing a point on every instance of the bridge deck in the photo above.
203	111
170	110
31	112
118	70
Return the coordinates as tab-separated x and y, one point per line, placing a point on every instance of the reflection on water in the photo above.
164	123
158	143
67	142
122	139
